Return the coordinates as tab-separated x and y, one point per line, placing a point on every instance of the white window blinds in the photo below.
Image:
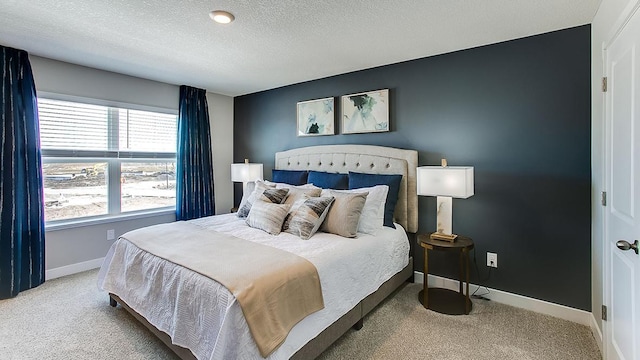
147	131
94	130
73	126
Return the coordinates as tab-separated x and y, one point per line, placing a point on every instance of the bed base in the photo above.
311	350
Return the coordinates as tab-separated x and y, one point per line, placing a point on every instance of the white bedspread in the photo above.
202	315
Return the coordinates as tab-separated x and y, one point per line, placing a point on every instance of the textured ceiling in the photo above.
272	42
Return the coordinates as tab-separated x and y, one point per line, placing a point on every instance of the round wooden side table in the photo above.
444	300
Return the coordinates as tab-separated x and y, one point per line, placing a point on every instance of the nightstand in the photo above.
444	300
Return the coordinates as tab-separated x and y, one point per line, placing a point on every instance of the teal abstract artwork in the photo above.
365	112
316	117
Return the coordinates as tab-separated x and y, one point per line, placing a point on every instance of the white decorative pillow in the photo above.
372	216
294	206
307	218
267	216
344	215
245	205
274	196
298	195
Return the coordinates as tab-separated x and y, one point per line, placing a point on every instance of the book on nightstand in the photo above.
442	236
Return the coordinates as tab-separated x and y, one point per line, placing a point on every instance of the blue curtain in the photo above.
21	194
194	175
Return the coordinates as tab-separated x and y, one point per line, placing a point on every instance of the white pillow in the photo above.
289	186
372	216
296	193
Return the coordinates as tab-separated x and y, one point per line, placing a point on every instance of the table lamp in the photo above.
445	182
245	172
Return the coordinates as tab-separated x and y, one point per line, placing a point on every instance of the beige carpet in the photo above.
69	318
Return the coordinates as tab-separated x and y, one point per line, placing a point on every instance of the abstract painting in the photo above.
365	112
315	117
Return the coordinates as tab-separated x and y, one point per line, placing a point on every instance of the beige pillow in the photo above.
344	215
267	216
296	193
372	217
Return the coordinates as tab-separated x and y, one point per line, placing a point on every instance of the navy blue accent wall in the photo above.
518	111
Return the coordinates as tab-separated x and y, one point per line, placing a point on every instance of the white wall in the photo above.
221	119
58	77
68	249
604	22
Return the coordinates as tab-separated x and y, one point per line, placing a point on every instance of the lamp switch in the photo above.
111	234
492	260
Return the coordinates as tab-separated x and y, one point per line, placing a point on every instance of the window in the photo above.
103	160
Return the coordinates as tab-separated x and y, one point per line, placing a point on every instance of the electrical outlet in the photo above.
111	234
492	259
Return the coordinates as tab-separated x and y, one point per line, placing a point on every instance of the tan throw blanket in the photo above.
275	288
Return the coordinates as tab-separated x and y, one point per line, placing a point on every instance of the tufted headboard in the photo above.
364	159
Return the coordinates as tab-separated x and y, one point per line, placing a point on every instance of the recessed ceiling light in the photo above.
221	17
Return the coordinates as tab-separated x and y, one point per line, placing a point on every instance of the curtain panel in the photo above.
21	192
194	175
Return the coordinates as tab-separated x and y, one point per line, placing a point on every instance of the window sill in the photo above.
76	223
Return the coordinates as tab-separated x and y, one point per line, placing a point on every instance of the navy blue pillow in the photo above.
291	177
327	180
360	180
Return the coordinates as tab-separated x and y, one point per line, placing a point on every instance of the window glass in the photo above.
147	185
73	190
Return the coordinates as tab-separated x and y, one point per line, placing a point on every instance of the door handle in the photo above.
624	245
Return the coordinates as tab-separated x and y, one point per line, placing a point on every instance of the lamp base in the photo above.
445	237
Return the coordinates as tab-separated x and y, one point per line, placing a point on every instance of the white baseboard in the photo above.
595	330
519	301
73	268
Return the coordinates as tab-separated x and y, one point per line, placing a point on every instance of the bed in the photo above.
382	264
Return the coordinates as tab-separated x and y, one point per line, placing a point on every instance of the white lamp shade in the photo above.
245	172
453	181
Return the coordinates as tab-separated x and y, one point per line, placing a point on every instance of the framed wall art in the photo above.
365	112
316	117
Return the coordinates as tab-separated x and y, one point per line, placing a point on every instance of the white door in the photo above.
622	214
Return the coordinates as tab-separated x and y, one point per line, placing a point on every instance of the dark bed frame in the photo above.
339	158
352	319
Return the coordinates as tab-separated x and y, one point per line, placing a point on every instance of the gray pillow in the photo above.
344	215
307	218
267	216
272	195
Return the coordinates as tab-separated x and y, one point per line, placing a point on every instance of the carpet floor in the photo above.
69	318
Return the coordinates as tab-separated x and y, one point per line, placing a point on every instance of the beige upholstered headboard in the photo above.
364	159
